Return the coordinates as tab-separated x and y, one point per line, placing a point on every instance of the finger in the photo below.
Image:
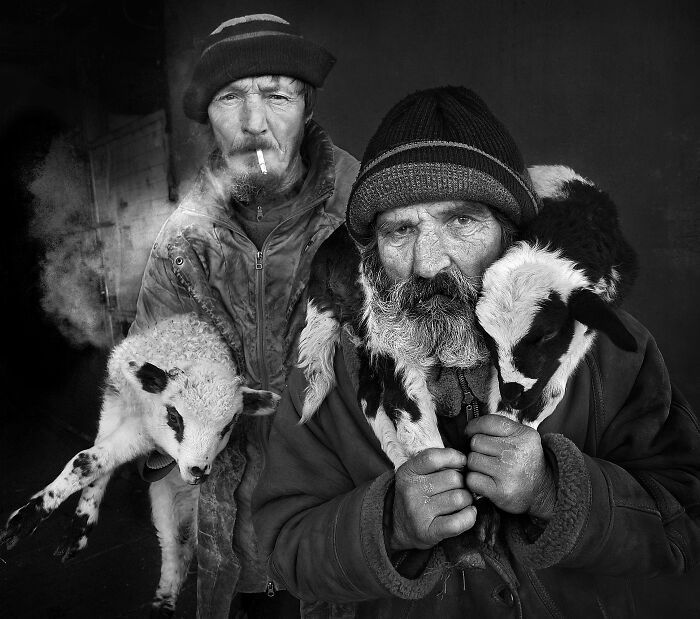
436	459
452	525
487	445
451	502
479	463
443	481
493	425
481	484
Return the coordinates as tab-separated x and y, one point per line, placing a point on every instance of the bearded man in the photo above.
605	488
237	250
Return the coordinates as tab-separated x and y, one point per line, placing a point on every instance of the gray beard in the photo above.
422	329
251	188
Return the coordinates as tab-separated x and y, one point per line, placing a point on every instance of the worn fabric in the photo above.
625	448
202	261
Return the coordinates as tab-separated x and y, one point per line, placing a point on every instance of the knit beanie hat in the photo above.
248	46
435	145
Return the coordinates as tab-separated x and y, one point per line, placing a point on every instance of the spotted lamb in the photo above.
173	388
543	303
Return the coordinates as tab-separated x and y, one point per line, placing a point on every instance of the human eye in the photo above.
278	97
463	220
398	233
228	97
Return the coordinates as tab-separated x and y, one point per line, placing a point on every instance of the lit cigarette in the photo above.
261	162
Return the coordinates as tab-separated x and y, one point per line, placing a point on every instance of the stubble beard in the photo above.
422	322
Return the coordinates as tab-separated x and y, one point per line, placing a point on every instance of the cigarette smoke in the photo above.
71	269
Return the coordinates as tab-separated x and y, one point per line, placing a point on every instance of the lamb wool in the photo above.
440	144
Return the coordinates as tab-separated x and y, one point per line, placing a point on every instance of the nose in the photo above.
511	392
429	256
254	120
198	472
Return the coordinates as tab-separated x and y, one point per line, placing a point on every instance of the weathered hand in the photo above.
507	465
431	502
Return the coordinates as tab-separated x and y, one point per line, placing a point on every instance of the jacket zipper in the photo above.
270	589
260	302
470	405
260	291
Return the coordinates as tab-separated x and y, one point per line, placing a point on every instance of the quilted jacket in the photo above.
202	261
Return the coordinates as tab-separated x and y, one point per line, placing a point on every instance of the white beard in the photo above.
443	332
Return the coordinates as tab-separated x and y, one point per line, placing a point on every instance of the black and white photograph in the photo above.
350	309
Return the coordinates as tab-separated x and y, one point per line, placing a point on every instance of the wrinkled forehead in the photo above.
263	84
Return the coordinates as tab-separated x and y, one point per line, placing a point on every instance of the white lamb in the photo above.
173	388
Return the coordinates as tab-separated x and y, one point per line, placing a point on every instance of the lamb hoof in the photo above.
161	608
462	551
23	522
75	538
68	548
488	522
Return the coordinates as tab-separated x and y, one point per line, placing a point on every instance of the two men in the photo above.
238	250
606	489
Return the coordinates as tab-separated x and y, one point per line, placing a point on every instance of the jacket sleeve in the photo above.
160	295
319	524
632	508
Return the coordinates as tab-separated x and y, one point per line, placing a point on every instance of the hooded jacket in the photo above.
202	261
625	449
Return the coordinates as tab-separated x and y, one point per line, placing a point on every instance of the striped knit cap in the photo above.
435	145
248	46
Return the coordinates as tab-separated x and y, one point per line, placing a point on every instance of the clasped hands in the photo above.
433	497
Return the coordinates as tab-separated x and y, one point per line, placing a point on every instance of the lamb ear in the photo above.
151	377
258	402
589	309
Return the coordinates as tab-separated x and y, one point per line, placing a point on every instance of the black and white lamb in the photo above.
544	301
173	388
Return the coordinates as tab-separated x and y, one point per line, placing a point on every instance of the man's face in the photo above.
265	113
423	279
426	239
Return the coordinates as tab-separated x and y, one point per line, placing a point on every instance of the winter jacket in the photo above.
625	448
202	261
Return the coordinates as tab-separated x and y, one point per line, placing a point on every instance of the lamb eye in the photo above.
174	418
548	336
226	428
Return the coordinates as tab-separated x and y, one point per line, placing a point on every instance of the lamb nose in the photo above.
511	391
196	471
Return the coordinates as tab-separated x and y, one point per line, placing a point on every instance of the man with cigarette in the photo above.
238	250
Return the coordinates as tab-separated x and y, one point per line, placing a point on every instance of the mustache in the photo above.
249	144
421	320
447	288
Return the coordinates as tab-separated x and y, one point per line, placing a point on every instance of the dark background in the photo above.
610	89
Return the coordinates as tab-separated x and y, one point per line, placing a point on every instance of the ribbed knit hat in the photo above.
434	145
248	46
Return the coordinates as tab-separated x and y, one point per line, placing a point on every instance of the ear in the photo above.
151	377
258	403
589	309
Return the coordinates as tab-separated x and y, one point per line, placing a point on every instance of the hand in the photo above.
507	465
431	502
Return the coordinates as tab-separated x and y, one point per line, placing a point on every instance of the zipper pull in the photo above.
260	213
259	261
270	589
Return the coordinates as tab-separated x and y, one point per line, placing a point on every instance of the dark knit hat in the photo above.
248	46
440	144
